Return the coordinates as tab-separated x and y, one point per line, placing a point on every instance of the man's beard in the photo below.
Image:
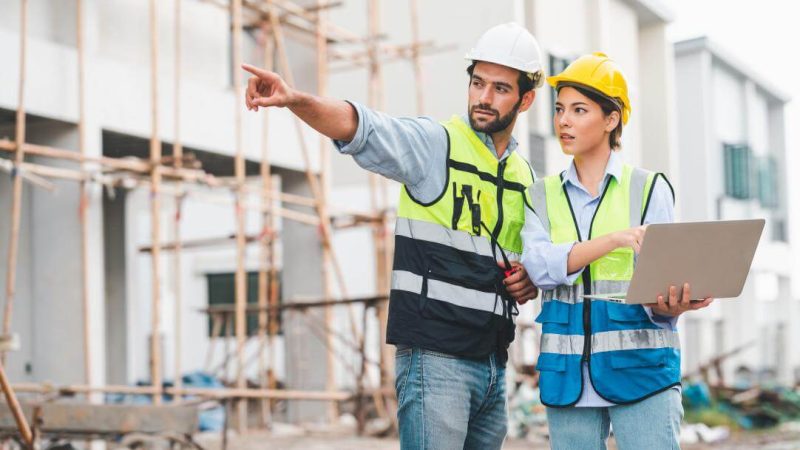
500	123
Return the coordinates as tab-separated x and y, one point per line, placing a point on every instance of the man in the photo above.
454	285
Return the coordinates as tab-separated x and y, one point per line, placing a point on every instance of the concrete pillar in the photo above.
18	363
305	350
656	69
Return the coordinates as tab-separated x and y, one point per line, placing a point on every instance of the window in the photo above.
557	65
737	171
222	291
767	182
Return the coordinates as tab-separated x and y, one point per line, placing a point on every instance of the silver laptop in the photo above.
713	257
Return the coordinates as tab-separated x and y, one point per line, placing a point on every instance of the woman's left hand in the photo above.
675	308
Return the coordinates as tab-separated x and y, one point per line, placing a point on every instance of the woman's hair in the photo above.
607	105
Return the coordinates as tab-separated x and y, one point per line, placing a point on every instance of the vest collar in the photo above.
613	168
489	143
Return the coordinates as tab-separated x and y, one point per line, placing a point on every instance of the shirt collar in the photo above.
487	140
613	168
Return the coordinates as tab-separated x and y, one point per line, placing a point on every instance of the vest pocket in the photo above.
629	359
626	313
616	265
551	362
553	312
457	271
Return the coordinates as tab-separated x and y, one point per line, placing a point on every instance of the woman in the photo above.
601	363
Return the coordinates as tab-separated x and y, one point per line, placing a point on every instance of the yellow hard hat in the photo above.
600	73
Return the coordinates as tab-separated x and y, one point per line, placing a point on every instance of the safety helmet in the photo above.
600	73
513	46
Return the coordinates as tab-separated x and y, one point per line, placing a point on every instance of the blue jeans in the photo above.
446	402
653	423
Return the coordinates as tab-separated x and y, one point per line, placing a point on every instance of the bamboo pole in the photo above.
177	155
155	208
16	196
239	169
325	183
229	326
340	34
267	275
378	200
128	163
84	199
16	411
52	172
32	178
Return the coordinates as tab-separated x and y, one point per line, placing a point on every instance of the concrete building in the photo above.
732	151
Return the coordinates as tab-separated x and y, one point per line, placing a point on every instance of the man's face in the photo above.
494	99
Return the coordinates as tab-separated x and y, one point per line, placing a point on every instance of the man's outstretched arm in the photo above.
336	119
410	150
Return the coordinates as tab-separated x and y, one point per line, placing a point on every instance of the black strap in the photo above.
650	193
495	243
485	176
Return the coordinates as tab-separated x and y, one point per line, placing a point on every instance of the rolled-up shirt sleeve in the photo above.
410	150
545	262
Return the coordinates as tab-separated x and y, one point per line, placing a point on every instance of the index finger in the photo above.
261	73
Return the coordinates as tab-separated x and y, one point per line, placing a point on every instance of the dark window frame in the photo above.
221	291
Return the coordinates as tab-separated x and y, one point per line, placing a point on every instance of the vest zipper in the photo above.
587	285
587	315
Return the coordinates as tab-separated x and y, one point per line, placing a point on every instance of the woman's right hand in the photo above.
632	237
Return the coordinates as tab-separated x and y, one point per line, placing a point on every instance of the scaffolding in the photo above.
171	178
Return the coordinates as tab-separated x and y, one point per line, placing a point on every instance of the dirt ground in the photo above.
316	441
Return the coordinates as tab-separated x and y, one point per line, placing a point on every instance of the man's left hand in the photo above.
674	308
518	285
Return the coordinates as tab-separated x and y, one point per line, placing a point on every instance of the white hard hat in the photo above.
513	46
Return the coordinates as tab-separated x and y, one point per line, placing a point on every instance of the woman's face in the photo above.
580	124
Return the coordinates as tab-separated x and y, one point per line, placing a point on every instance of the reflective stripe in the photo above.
572	294
638	182
565	294
609	341
439	290
563	344
539	199
460	240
